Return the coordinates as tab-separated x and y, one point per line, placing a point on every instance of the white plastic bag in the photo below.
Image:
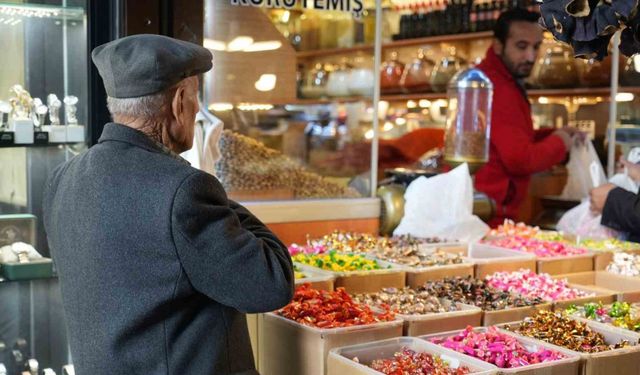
442	206
582	158
581	221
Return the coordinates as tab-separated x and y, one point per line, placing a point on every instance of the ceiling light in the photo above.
387	126
254	107
239	43
214	45
267	82
286	16
221	107
369	134
401	121
543	100
411	104
424	103
268	45
624	97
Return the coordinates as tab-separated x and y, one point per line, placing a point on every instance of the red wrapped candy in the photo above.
322	309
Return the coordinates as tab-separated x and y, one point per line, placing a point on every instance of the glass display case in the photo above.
44	113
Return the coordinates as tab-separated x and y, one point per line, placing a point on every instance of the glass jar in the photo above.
445	70
596	73
416	76
391	74
556	68
468	124
314	83
630	75
338	85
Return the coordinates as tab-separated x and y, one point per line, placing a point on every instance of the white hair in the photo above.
144	107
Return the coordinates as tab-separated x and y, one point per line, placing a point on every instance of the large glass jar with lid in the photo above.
556	68
468	125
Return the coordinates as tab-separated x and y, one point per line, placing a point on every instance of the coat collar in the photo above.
493	63
120	133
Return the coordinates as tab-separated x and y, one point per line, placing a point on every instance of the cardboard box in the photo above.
340	361
417	276
373	281
625	361
566	366
604	296
625	288
290	348
490	318
416	325
490	259
565	264
317	278
602	258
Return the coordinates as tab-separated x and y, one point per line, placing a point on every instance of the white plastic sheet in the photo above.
442	206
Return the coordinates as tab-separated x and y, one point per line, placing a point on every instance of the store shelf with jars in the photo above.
43	118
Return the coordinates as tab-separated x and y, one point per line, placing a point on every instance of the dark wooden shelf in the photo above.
396	44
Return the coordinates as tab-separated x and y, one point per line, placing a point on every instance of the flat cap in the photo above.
146	64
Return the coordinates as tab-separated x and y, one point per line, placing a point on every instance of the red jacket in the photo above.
517	151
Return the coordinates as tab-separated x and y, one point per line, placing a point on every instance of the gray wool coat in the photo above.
157	267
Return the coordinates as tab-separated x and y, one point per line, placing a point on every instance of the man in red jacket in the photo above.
517	151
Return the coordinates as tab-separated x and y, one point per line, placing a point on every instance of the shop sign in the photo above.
353	6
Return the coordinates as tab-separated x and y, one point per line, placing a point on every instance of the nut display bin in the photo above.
566	366
340	361
290	348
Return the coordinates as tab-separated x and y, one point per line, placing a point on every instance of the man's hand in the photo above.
598	197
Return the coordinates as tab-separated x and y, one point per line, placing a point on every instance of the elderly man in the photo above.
157	267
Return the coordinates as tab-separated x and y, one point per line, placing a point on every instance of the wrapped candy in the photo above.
476	292
322	309
559	329
531	285
502	350
510	228
407	301
625	264
337	262
346	242
542	249
414	363
296	249
619	314
297	274
609	245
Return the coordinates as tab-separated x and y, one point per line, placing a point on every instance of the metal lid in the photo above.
470	78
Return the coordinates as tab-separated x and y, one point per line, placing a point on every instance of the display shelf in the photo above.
395	44
583	91
10	11
39	145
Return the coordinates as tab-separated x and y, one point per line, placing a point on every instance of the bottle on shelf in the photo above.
465	15
473	17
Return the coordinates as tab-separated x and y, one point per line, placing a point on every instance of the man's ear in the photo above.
177	104
498	47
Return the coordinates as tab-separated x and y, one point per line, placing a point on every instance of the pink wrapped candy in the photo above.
540	248
497	348
296	249
530	285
